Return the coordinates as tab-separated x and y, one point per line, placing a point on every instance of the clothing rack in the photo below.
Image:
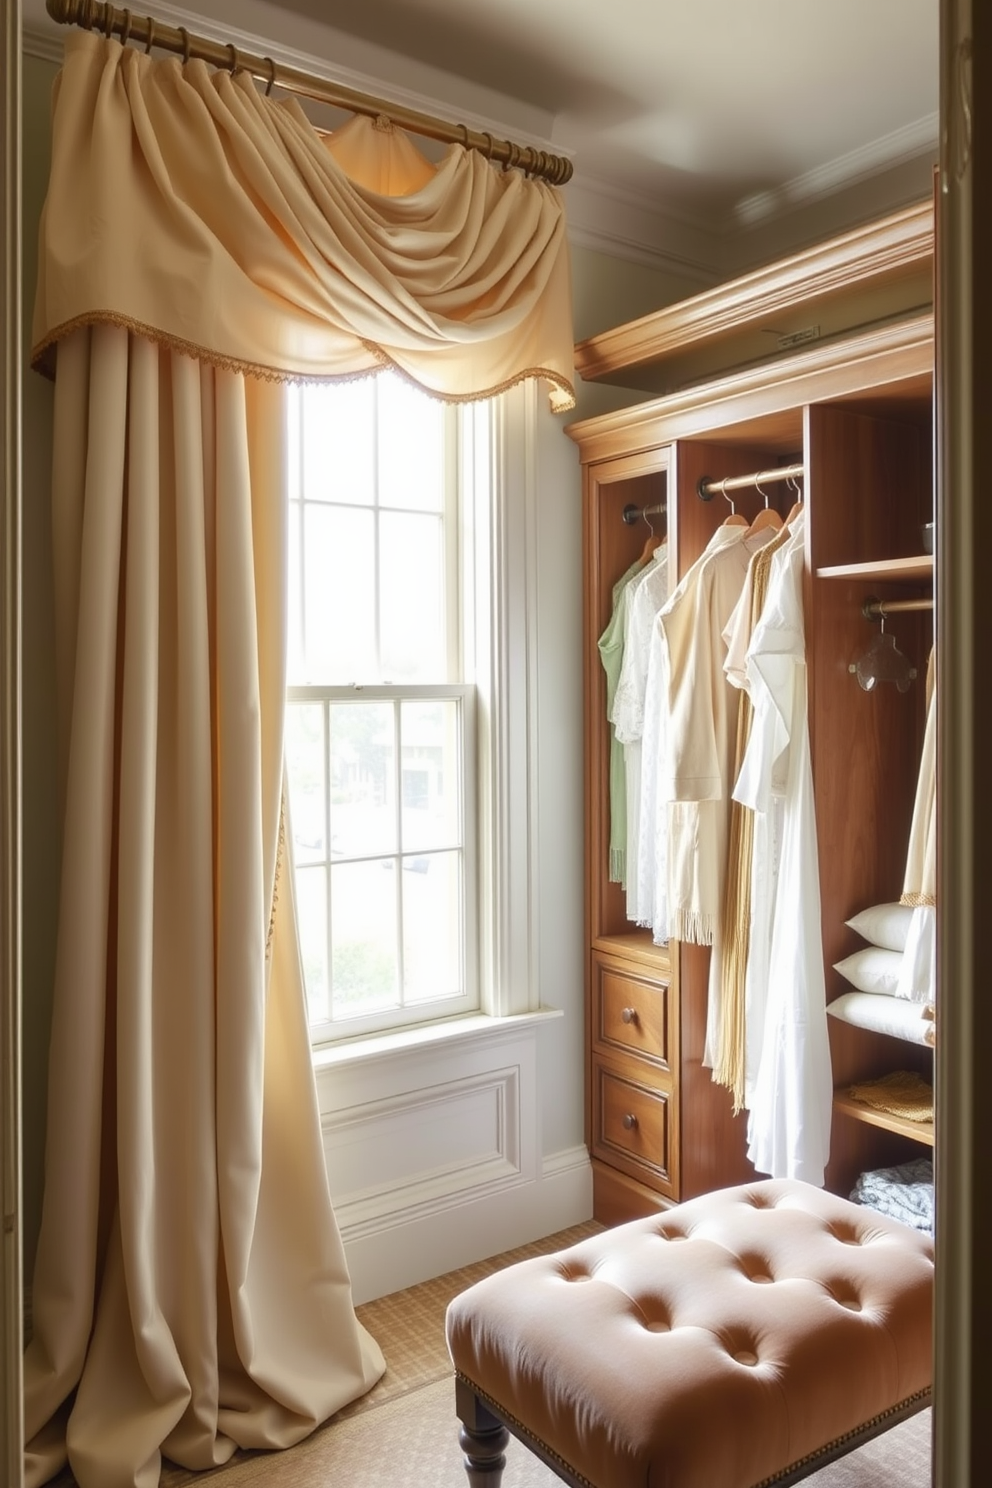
707	487
95	15
876	609
632	513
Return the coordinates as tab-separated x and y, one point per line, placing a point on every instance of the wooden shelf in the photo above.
920	1131
917	570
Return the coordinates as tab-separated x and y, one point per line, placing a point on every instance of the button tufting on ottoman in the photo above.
741	1338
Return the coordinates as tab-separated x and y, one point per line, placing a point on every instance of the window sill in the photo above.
475	1028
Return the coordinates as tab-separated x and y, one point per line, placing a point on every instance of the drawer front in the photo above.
631	1013
633	1125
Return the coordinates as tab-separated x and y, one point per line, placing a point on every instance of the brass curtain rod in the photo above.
707	487
94	15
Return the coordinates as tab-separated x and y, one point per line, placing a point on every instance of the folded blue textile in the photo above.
904	1192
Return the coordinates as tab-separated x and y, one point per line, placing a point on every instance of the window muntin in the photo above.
380	724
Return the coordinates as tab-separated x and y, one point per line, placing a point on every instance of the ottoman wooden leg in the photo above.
482	1438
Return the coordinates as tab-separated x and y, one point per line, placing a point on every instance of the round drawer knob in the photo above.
629	1121
629	1015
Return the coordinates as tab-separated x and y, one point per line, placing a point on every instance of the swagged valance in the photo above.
190	207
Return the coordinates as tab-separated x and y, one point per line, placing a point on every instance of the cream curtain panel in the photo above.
200	246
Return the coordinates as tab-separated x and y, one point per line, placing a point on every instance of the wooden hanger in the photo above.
767	517
735	519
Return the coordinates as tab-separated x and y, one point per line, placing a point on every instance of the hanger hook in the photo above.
757	487
723	492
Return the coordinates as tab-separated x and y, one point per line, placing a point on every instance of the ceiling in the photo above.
711	102
698	123
727	111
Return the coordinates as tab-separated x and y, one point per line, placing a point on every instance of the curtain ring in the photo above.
488	137
235	63
464	132
151	35
185	36
126	28
108	21
272	76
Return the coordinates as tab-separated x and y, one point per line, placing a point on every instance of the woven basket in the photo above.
903	1093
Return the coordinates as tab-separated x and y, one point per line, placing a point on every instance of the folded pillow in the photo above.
885	925
892	1015
872	970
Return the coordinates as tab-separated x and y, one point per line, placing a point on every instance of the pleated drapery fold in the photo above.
191	1293
191	208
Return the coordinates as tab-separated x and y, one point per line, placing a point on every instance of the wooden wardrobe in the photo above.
847	393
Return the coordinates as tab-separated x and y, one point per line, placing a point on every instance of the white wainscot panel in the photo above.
419	1130
424	1146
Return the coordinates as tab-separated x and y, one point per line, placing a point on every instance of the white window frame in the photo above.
497	604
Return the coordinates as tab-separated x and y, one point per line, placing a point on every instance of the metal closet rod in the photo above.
874	609
708	487
94	15
632	513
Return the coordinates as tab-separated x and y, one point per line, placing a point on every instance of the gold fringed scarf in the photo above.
730	1067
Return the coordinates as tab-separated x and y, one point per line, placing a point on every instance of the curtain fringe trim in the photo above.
43	361
280	855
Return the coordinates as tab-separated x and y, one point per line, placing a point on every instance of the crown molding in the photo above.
875	158
630	225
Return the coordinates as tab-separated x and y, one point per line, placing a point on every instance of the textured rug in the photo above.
412	1442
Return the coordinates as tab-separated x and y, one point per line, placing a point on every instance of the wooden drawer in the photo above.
634	1126
632	1012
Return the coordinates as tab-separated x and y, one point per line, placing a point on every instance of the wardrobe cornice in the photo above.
880	269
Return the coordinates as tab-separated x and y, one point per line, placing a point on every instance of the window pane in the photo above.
311	908
412	599
364	940
432	927
305	756
363	779
339	443
339	563
411	447
430	773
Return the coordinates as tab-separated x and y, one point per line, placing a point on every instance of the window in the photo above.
386	488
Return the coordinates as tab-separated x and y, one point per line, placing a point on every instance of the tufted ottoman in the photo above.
744	1337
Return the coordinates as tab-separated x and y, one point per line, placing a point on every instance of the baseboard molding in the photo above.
401	1254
